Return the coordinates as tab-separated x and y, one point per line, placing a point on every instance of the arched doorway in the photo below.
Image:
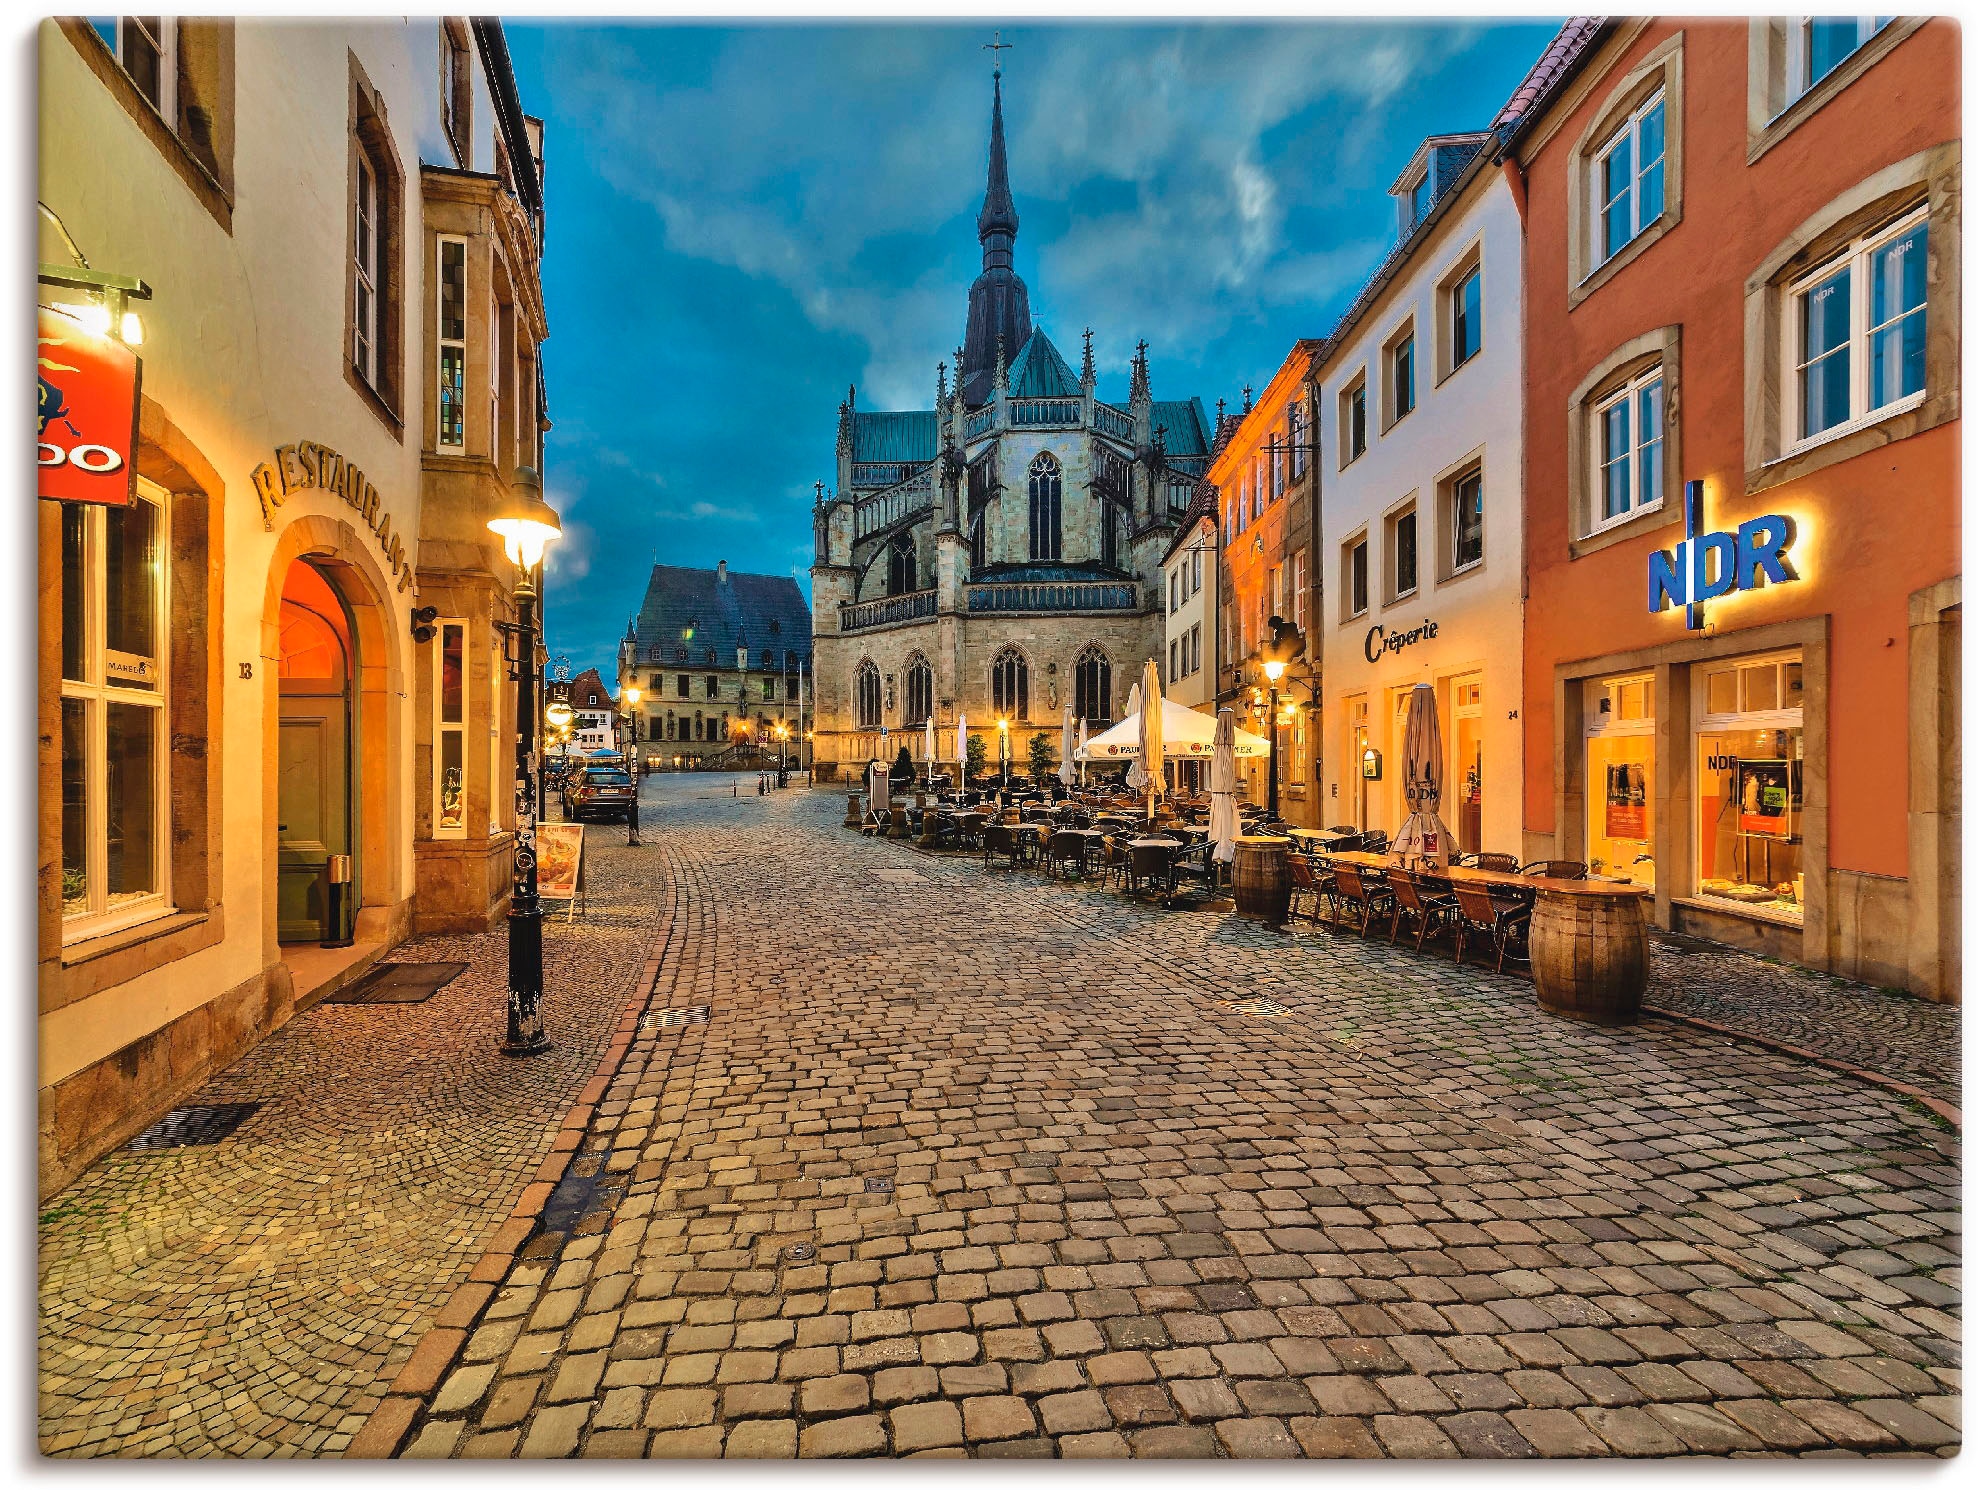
316	785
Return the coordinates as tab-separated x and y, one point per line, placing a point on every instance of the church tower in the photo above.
998	302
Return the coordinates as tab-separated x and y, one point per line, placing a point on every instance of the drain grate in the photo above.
672	1019
398	983
878	1185
800	1251
187	1127
1258	1008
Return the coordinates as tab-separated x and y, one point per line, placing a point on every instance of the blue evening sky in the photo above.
743	220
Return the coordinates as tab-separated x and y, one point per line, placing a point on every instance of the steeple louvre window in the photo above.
1046	509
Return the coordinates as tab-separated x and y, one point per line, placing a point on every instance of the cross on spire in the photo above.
998	47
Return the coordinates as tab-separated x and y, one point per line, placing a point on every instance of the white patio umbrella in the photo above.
1152	762
1067	768
961	752
1222	787
1186	734
1136	778
1081	752
1424	834
930	750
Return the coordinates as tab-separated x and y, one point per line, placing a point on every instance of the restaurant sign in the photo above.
86	406
307	466
1705	566
1380	639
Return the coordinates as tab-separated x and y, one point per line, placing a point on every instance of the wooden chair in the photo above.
1065	849
1556	869
1348	828
1506	924
1311	877
1427	904
1500	863
1367	889
998	839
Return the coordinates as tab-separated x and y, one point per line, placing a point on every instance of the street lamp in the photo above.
1273	669
526	525
629	721
782	767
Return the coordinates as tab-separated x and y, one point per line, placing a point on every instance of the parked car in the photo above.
597	792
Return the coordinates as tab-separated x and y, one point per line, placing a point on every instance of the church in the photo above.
997	556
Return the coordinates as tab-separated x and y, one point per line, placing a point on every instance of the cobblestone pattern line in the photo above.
1414	1218
1880	1030
256	1297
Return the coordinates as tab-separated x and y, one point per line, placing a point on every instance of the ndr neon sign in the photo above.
1705	566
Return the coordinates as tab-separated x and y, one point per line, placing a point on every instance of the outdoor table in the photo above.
1589	938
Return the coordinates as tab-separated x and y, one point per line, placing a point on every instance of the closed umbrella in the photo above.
1152	762
1222	787
961	751
1136	777
929	750
1424	835
1067	768
1081	752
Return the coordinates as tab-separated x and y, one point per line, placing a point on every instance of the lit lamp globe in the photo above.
1274	669
559	715
526	523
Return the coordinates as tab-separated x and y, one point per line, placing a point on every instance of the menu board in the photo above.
559	860
1764	794
1627	801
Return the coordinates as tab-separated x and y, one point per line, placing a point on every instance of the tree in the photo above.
902	766
978	755
1043	756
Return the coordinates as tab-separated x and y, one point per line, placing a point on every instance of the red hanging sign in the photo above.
87	410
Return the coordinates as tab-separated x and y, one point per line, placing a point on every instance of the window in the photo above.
365	268
1628	449
1276	607
1174	591
1400	376
1046	501
920	690
1466	317
1298	589
1465	521
1174	660
143	45
1858	326
450	730
116	790
769	688
1628	171
1195	648
1404	567
1819	44
1113	536
900	576
684	681
1277	466
1418	199
713	687
1301	436
1356	578
1092	685
457	91
1195	572
453	344
865	694
978	546
1009	684
1750	783
1353	421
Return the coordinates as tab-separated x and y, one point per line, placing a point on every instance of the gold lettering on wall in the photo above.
307	465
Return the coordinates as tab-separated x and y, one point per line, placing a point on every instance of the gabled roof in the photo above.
584	685
1554	63
1187	426
703	610
909	435
1040	372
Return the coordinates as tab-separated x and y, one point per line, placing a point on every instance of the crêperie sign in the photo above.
1380	640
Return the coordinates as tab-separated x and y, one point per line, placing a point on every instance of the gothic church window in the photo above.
978	546
1092	686
1009	682
1046	504
920	691
900	565
1113	538
865	695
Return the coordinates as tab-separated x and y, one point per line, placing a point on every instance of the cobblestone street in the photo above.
907	1157
255	1297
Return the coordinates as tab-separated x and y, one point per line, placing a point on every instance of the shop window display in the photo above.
1620	778
1751	752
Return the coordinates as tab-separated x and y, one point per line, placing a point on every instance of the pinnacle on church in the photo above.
1002	384
1087	374
998	213
1140	391
998	301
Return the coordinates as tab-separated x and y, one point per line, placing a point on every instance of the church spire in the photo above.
998	301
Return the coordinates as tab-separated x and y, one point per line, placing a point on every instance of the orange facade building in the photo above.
1743	616
1265	477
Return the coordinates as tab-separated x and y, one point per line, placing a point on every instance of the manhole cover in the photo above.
1259	1008
184	1127
800	1251
398	983
673	1019
878	1186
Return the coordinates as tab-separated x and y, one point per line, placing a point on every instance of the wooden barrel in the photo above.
855	810
1262	879
1590	956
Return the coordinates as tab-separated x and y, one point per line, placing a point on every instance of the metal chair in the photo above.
1427	904
1064	849
1350	829
1557	869
1150	861
1498	863
1367	889
1507	925
998	839
1374	842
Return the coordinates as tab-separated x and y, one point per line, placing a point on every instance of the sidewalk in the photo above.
255	1297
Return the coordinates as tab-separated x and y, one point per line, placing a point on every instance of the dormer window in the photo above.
1418	200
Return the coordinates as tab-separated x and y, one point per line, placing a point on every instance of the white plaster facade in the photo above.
1459	627
1191	577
